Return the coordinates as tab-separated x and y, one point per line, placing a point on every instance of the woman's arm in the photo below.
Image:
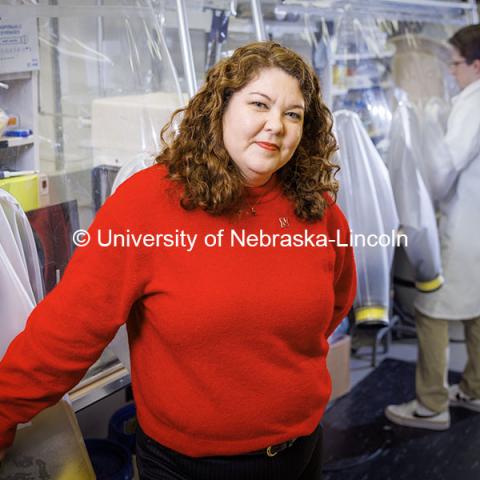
66	333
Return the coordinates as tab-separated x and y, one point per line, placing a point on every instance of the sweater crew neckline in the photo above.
264	193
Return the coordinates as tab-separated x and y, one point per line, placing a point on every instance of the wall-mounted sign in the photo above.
18	45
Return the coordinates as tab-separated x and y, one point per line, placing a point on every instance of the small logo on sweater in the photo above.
283	222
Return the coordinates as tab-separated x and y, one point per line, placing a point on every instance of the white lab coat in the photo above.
456	188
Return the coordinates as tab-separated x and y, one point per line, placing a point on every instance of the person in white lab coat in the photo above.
456	190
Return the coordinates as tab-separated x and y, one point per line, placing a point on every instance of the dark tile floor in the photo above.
360	444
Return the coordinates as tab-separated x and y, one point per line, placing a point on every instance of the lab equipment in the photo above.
415	208
21	285
134	124
367	199
16	173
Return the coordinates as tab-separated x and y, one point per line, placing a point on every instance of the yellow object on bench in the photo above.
24	188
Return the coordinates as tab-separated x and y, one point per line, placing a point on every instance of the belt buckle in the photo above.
272	453
273	450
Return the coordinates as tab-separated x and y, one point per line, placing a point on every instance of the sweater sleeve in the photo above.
66	333
345	275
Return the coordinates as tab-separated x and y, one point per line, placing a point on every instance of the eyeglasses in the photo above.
456	63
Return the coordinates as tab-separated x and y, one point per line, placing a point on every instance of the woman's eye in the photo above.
294	115
259	104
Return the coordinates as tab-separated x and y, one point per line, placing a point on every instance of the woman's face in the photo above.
263	124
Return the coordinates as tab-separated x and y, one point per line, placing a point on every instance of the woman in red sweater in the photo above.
229	262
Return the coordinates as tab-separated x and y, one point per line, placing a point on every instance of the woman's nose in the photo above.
274	123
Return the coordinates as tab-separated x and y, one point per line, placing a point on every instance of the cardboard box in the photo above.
338	364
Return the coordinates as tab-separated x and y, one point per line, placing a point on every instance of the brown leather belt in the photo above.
273	450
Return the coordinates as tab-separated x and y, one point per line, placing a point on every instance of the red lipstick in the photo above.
267	146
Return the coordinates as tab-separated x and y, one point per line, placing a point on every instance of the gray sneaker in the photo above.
460	399
413	414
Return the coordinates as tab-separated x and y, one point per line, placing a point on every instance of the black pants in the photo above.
302	461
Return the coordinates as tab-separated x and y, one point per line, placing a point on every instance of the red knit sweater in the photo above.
228	343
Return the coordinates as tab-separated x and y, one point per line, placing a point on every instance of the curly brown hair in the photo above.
195	155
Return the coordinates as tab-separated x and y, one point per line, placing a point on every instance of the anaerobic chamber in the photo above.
92	83
368	203
103	76
371	57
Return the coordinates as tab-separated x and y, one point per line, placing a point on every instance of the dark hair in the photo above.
467	42
196	157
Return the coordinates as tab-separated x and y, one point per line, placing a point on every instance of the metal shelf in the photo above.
133	10
99	386
386	53
401	5
9	142
8	77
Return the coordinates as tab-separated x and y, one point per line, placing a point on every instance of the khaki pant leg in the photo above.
470	383
432	362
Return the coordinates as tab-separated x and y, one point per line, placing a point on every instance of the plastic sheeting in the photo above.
323	63
111	72
360	52
106	85
19	244
415	209
135	165
367	199
16	304
20	280
420	67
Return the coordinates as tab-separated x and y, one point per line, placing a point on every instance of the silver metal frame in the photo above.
99	386
258	20
474	7
419	10
186	46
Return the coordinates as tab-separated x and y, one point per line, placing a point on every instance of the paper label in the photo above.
18	45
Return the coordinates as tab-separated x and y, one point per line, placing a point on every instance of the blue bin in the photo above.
123	425
110	460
